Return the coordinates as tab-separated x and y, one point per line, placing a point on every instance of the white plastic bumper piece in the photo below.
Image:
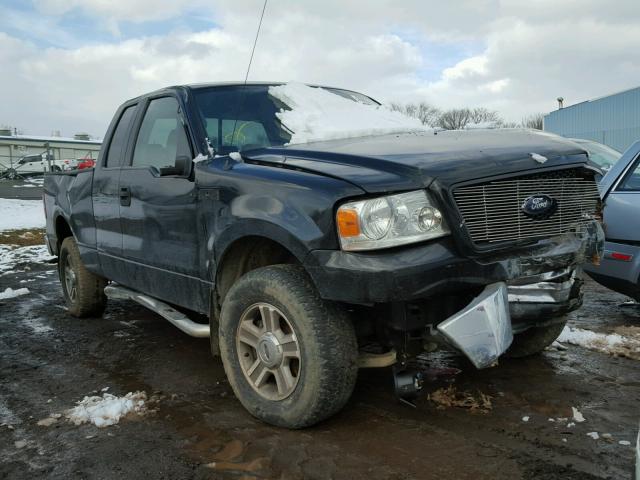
482	330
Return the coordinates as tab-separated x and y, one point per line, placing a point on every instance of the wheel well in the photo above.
63	230
244	255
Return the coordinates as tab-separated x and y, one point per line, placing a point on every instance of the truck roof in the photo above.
198	86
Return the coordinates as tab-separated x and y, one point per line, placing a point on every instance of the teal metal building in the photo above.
613	120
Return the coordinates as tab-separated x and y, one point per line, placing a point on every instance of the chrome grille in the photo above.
492	211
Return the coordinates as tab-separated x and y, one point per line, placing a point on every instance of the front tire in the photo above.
83	291
535	340
290	356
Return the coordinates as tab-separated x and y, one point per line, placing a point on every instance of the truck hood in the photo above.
414	160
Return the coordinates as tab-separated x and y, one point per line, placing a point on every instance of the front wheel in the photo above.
535	339
290	357
83	291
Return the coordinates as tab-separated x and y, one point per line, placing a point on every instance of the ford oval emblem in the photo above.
539	207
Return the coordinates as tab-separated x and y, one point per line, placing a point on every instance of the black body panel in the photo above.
166	236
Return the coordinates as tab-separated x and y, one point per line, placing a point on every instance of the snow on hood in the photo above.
481	125
316	114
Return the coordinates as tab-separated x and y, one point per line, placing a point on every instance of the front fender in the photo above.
258	228
291	207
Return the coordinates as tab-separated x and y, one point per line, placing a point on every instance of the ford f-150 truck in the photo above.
313	259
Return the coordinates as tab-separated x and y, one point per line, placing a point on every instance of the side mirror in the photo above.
181	167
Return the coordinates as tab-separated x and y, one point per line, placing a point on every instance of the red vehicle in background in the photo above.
78	163
86	163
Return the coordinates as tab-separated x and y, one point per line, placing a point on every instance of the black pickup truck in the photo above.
314	259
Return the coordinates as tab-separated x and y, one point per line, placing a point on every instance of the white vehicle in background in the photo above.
30	164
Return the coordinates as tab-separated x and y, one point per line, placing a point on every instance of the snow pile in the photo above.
577	415
316	114
612	343
17	214
37	181
481	125
11	256
106	410
11	293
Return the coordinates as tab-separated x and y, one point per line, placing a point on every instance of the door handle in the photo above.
125	196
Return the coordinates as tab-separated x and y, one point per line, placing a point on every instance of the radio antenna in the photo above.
246	76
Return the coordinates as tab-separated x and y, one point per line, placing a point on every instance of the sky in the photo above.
66	65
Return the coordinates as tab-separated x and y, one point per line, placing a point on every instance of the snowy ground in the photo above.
31	182
17	214
14	258
624	342
570	413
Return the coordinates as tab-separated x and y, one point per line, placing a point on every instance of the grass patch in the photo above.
25	237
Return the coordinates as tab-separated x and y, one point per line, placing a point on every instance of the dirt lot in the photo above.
49	361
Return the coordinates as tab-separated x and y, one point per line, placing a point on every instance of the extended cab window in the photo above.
118	145
162	137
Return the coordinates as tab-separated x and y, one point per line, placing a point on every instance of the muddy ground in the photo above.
49	361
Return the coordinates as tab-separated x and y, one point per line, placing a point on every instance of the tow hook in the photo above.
407	384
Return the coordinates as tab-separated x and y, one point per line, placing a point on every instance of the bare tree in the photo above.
535	120
459	118
424	112
455	119
482	115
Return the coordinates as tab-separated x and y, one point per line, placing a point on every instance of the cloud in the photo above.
512	56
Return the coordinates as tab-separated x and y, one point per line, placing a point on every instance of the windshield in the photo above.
604	156
253	116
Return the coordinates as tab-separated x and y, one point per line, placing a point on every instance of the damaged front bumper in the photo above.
546	296
435	268
521	288
482	330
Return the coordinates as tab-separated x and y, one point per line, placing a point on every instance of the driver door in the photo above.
158	210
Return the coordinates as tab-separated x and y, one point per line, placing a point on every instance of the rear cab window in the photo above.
118	145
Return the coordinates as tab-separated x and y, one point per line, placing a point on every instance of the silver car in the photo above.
602	156
620	192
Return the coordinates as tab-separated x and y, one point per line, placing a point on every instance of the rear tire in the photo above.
83	291
276	331
535	340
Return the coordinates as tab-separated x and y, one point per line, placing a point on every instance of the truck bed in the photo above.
67	196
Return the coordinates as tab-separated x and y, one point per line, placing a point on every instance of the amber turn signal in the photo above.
348	225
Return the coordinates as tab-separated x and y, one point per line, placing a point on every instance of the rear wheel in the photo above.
535	339
83	291
290	357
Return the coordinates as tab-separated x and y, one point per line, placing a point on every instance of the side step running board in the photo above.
180	320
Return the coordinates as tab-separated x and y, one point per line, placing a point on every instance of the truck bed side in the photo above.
69	209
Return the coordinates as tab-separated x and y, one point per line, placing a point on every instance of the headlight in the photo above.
389	221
